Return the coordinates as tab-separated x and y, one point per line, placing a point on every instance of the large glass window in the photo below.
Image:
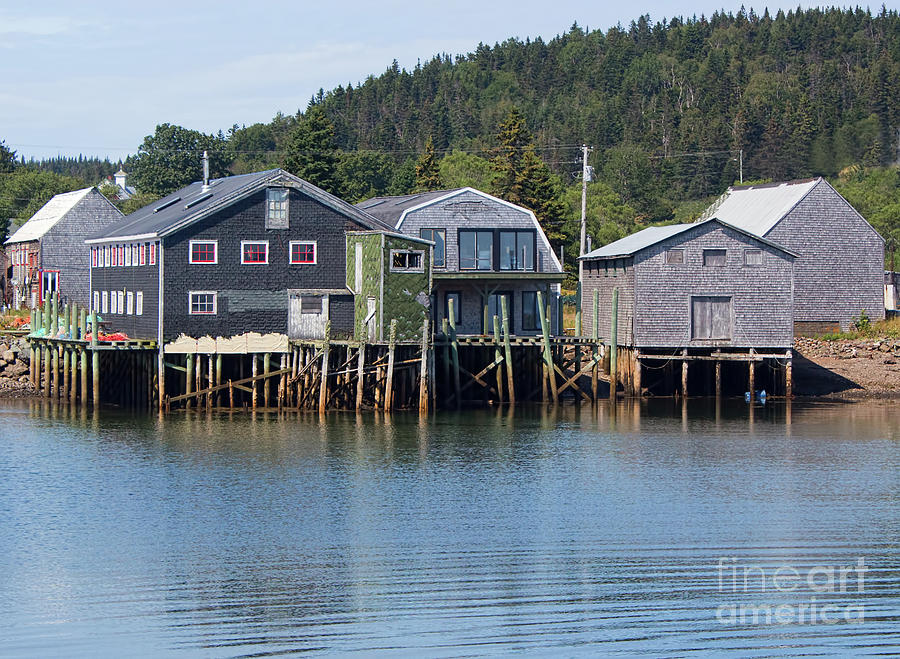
440	242
456	300
531	312
476	250
303	252
517	250
495	308
714	258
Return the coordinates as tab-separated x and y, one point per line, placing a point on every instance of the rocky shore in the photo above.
14	363
848	368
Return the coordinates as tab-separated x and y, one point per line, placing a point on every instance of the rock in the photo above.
884	347
15	370
8	355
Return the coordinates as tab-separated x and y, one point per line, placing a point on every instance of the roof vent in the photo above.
205	171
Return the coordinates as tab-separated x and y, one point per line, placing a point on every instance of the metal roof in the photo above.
636	242
758	208
390	209
47	217
192	203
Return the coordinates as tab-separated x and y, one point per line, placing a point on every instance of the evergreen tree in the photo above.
311	154
524	179
428	176
7	159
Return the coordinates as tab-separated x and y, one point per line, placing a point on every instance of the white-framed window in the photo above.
93	257
113	302
277	208
202	303
121	303
143	251
303	252
105	307
106	256
152	253
96	306
135	253
129	303
139	303
407	260
204	251
254	252
127	256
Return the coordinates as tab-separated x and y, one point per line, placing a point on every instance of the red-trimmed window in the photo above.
93	257
115	256
143	254
204	251
121	255
254	252
303	252
152	253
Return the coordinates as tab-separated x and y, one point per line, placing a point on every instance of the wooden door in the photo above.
711	318
307	315
371	321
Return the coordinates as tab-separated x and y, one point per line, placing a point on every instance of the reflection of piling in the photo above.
613	345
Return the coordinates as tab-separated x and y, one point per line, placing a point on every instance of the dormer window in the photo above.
276	208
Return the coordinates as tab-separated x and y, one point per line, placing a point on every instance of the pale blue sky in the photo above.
96	78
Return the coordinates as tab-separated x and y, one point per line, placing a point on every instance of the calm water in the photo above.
567	533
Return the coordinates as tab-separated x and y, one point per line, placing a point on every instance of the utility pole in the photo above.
585	177
741	166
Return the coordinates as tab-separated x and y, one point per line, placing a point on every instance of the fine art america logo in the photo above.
825	593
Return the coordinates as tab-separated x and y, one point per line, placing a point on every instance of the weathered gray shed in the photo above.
701	285
48	253
839	271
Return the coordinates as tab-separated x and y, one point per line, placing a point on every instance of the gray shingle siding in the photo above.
254	297
620	274
144	279
472	211
840	268
655	297
63	248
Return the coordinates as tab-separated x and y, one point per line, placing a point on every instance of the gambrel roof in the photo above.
194	202
48	216
394	210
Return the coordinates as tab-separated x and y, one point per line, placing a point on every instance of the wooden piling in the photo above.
684	374
752	376
548	355
423	369
326	353
454	351
614	345
636	374
507	350
718	379
209	381
218	399
230	395
389	385
189	378
360	374
95	361
266	368
595	338
498	359
254	369
789	375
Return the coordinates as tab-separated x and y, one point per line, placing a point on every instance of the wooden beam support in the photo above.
548	355
507	351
